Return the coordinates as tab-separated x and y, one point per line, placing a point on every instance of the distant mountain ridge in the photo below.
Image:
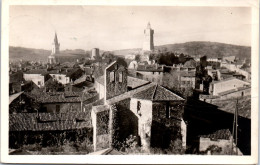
195	48
30	54
199	48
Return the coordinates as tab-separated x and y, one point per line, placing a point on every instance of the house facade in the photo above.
146	112
232	83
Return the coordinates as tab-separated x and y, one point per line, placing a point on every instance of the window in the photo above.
39	82
168	110
53	76
120	77
139	107
57	108
59	77
112	76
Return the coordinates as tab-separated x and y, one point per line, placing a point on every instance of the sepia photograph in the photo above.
130	80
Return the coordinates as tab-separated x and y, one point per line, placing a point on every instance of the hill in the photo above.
196	48
30	54
17	53
199	48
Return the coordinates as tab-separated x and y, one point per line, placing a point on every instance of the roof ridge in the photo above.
154	91
172	92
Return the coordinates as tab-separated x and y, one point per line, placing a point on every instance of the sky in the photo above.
122	27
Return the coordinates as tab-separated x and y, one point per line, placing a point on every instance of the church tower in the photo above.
55	45
148	44
55	50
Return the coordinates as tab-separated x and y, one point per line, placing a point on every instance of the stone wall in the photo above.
167	125
128	121
100	122
113	85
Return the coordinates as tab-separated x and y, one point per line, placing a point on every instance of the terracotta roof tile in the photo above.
49	121
157	93
219	134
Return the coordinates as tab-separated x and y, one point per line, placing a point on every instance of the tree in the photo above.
182	58
54	86
137	58
108	57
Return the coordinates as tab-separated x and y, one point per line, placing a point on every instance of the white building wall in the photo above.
183	133
100	90
145	119
226	85
38	79
61	78
233	67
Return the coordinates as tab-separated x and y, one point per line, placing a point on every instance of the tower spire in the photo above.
55	38
149	25
55	45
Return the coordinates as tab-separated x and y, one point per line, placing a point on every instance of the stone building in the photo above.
94	53
150	112
38	76
148	44
225	85
55	50
55	46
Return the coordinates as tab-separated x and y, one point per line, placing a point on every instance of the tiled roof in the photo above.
233	90
135	82
229	105
150	68
37	71
60	97
129	94
157	93
14	96
147	91
49	121
228	79
80	80
219	134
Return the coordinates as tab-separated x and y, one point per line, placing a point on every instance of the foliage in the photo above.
108	57
70	142
114	127
130	146
54	86
137	58
214	149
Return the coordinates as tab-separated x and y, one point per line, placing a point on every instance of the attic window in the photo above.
112	76
120	77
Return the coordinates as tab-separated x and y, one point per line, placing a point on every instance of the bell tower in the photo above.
55	45
148	44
